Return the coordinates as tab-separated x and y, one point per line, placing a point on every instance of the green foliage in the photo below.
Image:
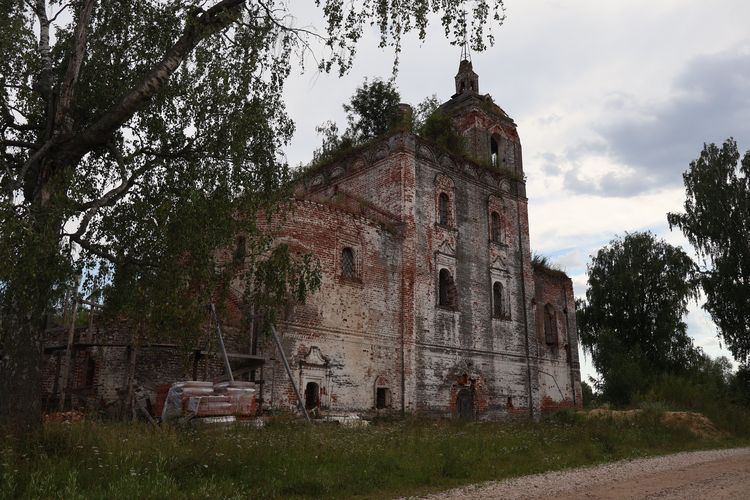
717	224
590	399
631	321
372	111
423	111
544	264
438	128
289	459
707	386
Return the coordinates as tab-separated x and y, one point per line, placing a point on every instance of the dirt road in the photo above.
717	474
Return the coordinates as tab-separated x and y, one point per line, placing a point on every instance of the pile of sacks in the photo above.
193	399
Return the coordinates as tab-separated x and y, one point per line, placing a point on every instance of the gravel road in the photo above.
716	474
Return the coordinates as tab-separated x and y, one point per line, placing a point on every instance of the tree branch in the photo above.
44	83
196	29
114	194
93	248
68	87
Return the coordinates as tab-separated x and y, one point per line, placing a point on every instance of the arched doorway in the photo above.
465	403
312	395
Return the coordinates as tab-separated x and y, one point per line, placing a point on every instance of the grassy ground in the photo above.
290	459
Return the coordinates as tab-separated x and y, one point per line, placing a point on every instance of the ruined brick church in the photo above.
429	301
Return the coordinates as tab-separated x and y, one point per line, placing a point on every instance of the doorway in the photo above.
465	403
312	395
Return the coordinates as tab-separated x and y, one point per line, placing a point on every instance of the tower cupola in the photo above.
467	82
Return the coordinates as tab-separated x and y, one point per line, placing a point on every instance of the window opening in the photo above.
495	227
446	289
443	209
347	263
550	325
312	395
497	300
382	398
493	151
90	371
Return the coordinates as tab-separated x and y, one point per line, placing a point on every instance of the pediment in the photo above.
447	247
315	357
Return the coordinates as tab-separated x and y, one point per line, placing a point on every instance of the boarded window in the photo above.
495	229
444	210
347	263
382	398
550	325
493	152
498	305
446	289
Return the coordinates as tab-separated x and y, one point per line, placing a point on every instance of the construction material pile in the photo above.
196	399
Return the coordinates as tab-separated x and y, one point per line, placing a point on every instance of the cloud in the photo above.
652	143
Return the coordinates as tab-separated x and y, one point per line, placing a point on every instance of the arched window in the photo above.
444	209
446	289
498	306
495	229
493	151
550	325
347	263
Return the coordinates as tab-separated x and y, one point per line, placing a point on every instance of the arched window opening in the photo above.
443	209
498	306
550	325
347	263
493	151
495	229
446	289
312	396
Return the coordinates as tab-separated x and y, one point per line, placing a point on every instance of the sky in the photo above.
613	99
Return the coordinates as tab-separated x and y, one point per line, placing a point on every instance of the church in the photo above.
430	302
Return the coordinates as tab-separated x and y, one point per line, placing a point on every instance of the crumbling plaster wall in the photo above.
346	338
466	346
559	367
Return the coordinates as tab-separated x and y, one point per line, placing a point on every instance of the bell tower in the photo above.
467	81
490	135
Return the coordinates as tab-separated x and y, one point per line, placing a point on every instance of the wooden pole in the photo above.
289	372
227	366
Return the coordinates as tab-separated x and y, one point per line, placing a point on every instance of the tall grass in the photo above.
288	459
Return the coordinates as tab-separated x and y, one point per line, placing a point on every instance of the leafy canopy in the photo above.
631	320
716	222
372	111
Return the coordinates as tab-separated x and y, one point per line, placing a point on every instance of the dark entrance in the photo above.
312	395
383	398
465	404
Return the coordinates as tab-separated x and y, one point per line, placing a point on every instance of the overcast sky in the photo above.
613	99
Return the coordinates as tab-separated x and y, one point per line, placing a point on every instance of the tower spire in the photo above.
467	81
